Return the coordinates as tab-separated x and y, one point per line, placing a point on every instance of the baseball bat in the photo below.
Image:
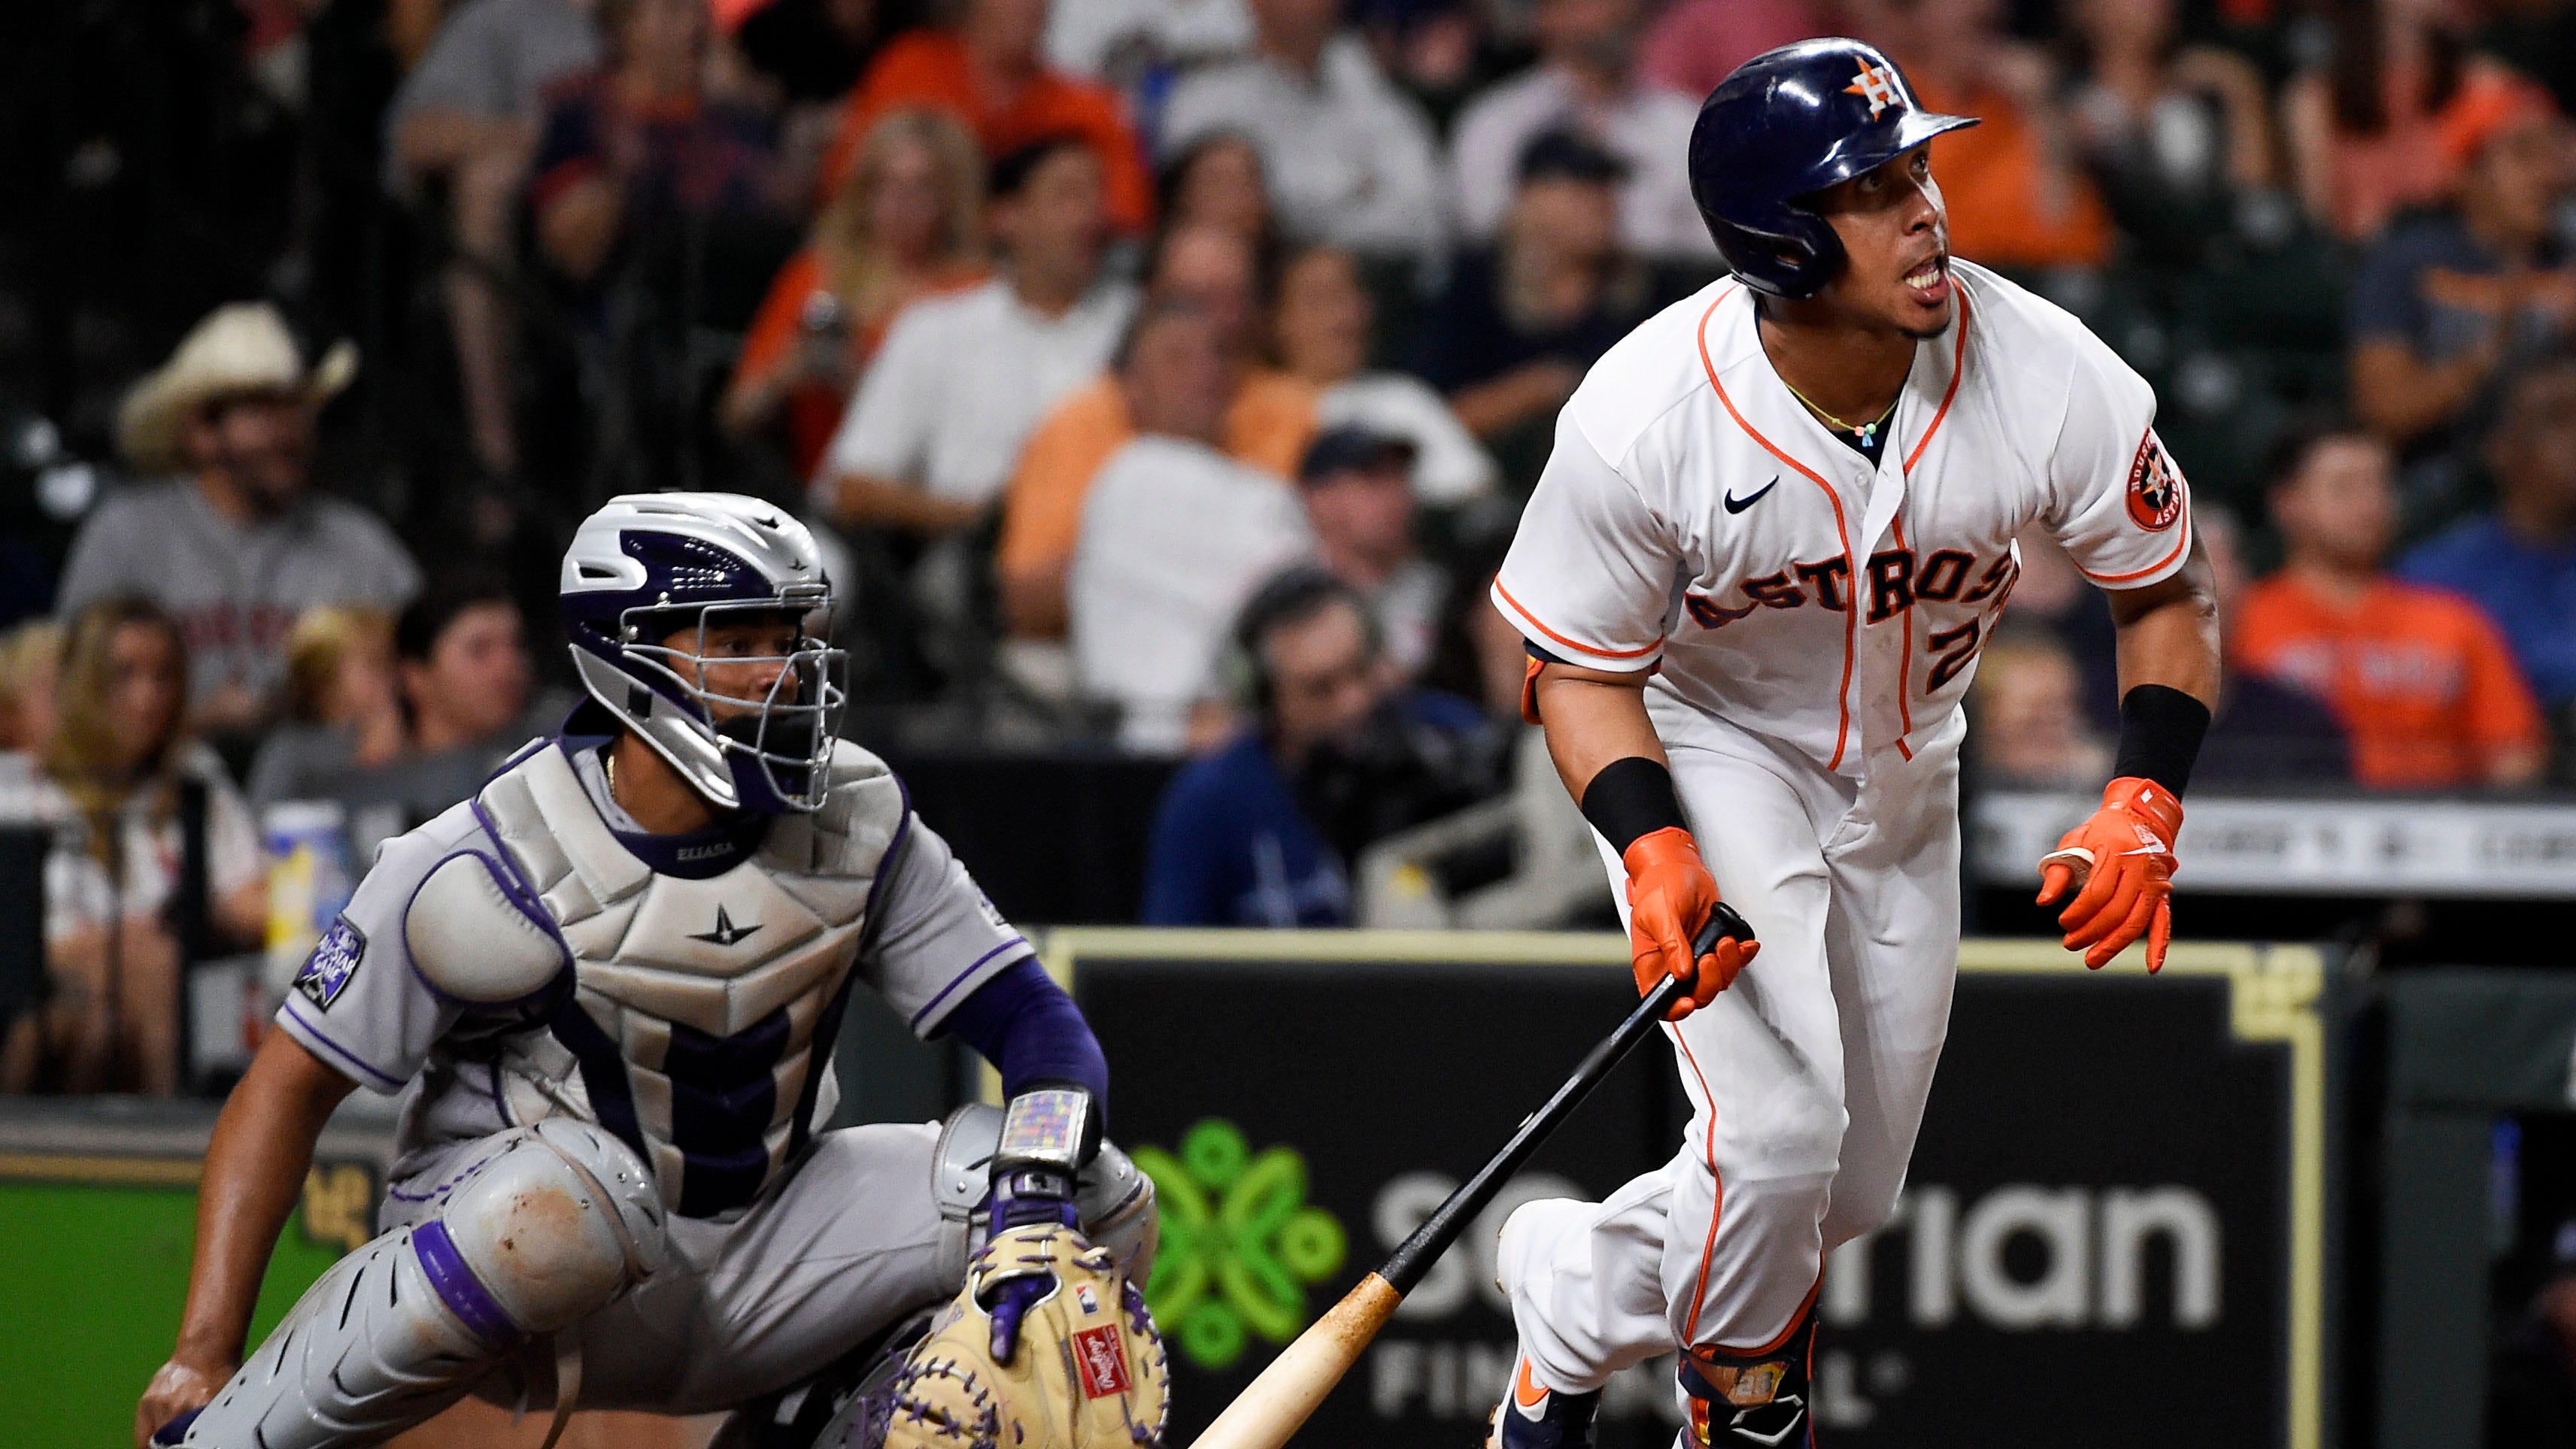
1278	1402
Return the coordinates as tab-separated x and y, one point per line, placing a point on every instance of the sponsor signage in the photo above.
2112	1233
2248	846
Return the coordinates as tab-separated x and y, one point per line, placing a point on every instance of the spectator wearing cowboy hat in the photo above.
237	544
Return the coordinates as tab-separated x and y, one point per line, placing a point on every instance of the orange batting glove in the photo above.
2121	863
1670	896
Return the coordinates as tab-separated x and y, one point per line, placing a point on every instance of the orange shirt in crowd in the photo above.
2418	156
813	410
929	68
1268	426
2004	212
2420	678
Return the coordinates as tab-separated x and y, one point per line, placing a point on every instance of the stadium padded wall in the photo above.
2115	1233
2121	1189
98	1204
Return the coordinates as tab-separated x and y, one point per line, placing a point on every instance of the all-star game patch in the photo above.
2155	486
333	962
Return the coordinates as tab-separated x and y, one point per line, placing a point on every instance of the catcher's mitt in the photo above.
1088	1373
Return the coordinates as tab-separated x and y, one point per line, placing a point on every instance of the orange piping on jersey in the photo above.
1851	571
1905	665
1717	1202
1568	643
1905	661
2180	544
1958	365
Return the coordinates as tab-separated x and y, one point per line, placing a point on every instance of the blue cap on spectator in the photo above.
1353	446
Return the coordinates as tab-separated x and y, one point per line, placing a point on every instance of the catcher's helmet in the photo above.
1786	124
648	565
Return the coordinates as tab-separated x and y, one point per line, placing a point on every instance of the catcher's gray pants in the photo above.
845	1247
538	1265
517	1264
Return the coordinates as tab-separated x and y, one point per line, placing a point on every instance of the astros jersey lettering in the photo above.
1696	519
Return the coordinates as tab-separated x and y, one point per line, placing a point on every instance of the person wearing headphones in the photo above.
1337	754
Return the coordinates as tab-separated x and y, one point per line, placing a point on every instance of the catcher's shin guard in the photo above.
557	1221
1530	1417
1755	1400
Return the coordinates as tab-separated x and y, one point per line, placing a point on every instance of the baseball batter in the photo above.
1778	523
613	980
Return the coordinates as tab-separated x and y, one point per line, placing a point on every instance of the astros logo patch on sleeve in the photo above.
2155	486
333	962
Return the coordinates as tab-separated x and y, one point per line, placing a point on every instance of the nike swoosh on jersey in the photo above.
1738	505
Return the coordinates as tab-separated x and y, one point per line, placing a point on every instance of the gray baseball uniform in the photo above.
693	1021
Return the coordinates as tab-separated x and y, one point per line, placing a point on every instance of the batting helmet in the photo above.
1785	125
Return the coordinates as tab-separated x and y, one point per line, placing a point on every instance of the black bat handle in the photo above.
1409	1262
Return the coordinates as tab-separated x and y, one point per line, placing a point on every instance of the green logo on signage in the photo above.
1239	1243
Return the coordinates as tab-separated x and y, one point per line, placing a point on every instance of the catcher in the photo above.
612	980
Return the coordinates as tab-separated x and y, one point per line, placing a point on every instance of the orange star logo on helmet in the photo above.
1878	85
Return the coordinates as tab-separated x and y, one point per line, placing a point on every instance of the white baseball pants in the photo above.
1806	1078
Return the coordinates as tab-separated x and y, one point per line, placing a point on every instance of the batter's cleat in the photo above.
1754	1401
1530	1417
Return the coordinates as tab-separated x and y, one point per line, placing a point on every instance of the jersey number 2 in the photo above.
1961	646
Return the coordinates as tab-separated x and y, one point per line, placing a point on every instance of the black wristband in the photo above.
1630	797
2160	733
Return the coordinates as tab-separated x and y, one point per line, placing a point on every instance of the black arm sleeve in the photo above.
2160	733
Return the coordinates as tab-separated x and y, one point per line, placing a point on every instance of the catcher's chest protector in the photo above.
694	1007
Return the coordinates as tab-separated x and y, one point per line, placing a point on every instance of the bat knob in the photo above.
1724	923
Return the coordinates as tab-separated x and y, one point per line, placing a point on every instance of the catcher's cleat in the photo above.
1756	1400
1530	1417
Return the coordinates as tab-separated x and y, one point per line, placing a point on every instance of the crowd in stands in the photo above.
1167	375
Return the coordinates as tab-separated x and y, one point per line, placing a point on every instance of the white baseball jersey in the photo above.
1695	518
1814	619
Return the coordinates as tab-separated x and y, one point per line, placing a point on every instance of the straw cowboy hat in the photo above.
242	347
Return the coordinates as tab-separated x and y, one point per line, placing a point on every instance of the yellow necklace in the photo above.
1866	432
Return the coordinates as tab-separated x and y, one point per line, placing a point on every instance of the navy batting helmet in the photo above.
1787	124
